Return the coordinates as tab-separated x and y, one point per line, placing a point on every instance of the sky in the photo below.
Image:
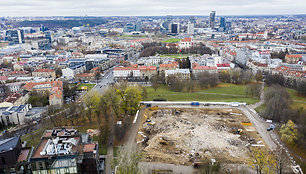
149	7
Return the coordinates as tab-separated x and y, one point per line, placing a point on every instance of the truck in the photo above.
154	108
195	103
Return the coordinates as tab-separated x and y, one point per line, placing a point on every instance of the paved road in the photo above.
107	79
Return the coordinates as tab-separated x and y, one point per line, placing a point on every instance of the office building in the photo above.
212	19
15	36
222	24
44	44
175	28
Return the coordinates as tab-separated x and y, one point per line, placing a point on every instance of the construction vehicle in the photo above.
154	108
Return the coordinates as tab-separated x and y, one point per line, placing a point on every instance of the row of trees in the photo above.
279	79
205	80
278	108
151	49
115	104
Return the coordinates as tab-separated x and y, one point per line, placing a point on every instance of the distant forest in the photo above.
63	23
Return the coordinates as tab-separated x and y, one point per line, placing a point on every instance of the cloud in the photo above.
148	7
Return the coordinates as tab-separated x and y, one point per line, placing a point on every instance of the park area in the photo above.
172	40
186	136
224	92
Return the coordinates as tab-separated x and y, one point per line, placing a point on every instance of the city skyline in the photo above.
149	7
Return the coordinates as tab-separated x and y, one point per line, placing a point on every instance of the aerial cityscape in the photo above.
152	87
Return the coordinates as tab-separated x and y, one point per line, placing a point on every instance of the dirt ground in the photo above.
184	136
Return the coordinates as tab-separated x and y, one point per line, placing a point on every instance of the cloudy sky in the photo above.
148	7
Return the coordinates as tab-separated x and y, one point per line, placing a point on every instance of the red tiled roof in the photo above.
173	64
295	56
147	68
44	70
204	67
223	65
188	39
3	77
125	68
85	75
53	84
89	147
13	98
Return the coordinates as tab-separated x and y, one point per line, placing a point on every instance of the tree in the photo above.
39	98
58	72
144	93
281	160
209	167
275	79
128	161
253	90
91	101
277	102
154	82
236	76
262	161
131	100
225	76
301	88
288	132
258	76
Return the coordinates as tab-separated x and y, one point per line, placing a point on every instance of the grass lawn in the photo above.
221	93
176	56
298	101
33	138
89	86
172	40
116	151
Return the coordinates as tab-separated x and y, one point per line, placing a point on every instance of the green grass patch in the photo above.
260	108
89	86
298	101
221	93
116	151
172	40
177	56
34	137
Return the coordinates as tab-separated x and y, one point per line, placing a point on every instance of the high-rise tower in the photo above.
212	19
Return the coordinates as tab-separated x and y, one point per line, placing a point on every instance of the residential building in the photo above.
186	43
182	74
14	115
64	151
293	58
170	66
190	28
44	73
147	71
123	72
14	158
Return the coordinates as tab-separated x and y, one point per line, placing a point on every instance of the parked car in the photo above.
272	127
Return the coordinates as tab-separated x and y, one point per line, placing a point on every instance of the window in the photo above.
3	160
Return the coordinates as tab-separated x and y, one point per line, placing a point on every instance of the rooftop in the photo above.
8	144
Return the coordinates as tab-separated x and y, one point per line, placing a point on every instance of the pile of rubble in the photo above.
180	136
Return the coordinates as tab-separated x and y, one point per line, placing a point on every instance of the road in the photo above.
103	83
